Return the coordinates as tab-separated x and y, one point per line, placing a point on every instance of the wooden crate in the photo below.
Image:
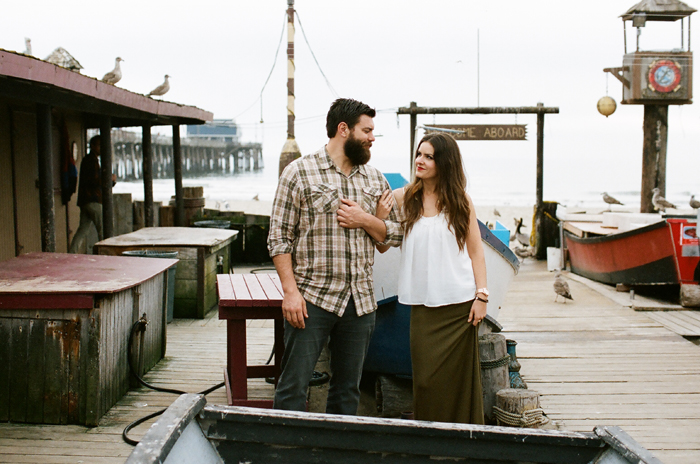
199	250
65	322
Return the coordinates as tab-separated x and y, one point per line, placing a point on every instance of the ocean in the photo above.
493	182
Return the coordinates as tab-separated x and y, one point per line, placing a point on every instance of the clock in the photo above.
664	76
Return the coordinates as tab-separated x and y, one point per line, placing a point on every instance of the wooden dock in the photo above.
596	362
593	361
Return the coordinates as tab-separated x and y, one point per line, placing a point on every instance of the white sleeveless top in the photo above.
433	271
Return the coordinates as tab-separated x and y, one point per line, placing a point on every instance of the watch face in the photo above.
664	76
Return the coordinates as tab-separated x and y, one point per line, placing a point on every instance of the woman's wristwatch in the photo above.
483	291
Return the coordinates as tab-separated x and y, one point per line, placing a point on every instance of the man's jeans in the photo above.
349	340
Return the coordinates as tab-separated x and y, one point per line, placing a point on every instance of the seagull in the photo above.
524	239
610	200
695	204
496	213
660	202
523	253
27	46
162	89
114	75
256	197
561	288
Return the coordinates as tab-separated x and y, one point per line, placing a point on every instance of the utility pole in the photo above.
290	151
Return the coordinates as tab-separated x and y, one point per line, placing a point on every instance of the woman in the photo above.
443	277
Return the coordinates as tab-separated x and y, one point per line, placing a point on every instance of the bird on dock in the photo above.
115	75
695	204
496	213
162	89
27	46
561	288
523	239
610	200
523	253
659	202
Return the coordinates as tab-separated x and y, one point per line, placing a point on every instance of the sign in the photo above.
481	131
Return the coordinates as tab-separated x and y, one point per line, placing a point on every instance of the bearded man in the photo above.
322	237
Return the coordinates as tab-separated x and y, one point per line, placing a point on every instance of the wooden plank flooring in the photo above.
685	323
596	362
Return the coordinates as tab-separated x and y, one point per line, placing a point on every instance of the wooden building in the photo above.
45	111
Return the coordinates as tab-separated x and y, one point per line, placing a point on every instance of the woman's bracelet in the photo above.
481	299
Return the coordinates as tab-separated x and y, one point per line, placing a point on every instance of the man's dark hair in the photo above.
348	111
95	141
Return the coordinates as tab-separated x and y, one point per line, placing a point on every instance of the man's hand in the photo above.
294	309
351	215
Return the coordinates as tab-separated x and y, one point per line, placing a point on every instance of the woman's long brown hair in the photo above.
451	189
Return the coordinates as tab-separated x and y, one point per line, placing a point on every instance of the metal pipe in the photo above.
46	200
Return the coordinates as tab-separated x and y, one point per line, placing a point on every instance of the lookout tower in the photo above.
656	79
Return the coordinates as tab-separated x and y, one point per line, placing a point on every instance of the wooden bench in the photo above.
243	297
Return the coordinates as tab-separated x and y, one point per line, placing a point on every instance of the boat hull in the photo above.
643	256
389	350
229	434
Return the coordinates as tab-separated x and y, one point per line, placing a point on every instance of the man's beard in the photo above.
357	153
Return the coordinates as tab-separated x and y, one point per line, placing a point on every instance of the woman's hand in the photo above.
477	313
384	205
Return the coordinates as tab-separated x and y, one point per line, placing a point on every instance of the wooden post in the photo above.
654	154
177	162
106	162
541	249
147	167
414	118
46	200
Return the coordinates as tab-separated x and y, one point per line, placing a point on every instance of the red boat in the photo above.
663	253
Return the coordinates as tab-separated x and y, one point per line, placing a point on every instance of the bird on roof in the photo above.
695	204
115	75
162	89
256	197
659	202
610	200
561	288
27	46
496	213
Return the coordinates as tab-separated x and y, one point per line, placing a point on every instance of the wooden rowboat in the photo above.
191	431
661	253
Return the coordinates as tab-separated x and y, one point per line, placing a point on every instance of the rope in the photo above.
526	419
496	362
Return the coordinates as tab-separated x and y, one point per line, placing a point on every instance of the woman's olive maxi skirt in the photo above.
445	361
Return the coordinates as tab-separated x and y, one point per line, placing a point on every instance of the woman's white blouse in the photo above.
433	271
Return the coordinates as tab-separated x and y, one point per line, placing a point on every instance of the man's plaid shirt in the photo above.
330	263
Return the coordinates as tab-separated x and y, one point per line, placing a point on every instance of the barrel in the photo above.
494	370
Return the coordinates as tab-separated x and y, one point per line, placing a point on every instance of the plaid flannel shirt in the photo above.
330	263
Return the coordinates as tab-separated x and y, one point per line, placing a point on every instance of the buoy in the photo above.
606	106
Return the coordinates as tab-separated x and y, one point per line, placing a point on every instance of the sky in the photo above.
388	53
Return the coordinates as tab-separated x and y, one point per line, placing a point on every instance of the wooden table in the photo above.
200	251
243	297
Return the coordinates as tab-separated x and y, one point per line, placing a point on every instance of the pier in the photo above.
594	361
200	156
